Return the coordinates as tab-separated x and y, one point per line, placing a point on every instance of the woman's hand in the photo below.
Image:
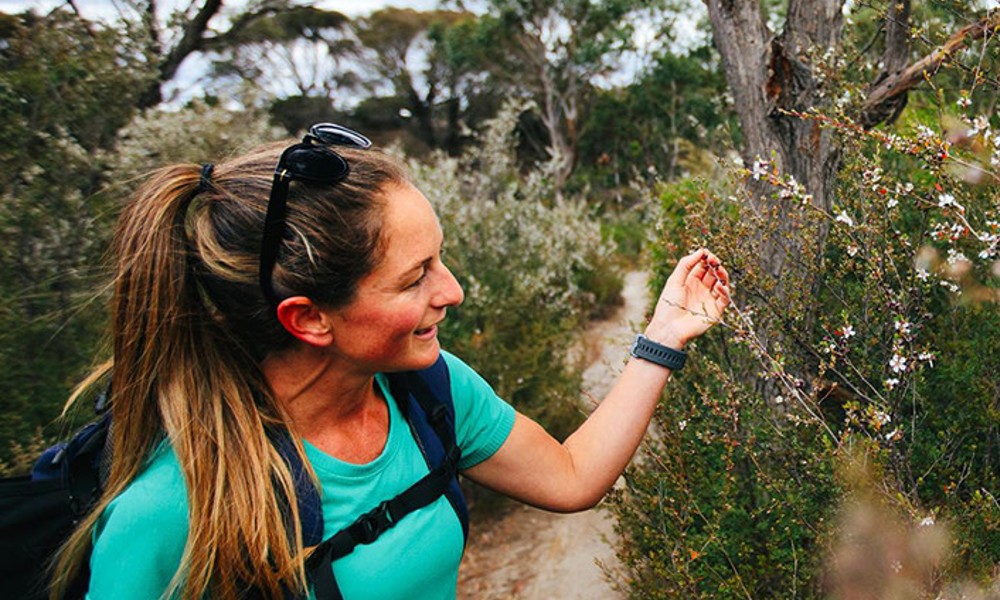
693	299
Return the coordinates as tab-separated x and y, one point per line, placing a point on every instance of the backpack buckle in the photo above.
373	523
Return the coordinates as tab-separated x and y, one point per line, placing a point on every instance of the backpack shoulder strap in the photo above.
430	411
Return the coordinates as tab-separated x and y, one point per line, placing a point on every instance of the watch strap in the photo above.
647	349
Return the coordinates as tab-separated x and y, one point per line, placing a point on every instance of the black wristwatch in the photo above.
659	354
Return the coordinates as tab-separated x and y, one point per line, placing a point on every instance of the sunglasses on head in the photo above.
312	160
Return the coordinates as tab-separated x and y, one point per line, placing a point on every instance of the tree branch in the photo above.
897	84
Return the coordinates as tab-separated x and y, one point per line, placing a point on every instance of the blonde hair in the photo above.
189	328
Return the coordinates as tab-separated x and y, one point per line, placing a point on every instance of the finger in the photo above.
685	266
707	274
722	274
723	296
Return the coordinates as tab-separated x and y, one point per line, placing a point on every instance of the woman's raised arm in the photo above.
535	468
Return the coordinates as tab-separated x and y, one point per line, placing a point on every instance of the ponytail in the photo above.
178	371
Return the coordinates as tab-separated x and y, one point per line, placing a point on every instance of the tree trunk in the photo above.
770	79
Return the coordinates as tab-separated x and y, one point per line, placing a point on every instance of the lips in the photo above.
426	332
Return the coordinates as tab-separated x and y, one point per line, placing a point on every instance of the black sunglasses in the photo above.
313	160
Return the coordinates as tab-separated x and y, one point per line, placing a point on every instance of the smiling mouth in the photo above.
425	330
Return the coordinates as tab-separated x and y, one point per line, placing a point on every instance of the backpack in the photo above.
38	511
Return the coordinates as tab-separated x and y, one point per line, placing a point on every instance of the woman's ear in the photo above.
307	322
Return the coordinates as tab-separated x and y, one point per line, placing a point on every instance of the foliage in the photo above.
201	132
532	269
890	354
669	122
66	86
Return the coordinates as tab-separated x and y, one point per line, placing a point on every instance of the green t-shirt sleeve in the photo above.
482	419
139	539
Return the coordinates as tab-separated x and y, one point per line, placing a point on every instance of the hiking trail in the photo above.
530	554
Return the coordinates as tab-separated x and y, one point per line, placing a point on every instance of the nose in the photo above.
450	292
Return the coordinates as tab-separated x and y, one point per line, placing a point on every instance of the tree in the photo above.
301	52
413	52
776	78
552	52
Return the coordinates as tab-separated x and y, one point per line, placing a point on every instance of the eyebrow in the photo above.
416	267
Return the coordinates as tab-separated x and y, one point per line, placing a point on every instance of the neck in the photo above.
316	392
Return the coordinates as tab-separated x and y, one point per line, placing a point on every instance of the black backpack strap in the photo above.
430	412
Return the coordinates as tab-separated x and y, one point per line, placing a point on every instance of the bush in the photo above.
533	270
893	351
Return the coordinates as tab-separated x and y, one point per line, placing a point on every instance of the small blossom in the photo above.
946	200
927	522
847	332
682	424
922	274
896	566
892	203
852	250
759	169
897	363
844	218
881	418
779	400
892	435
902	326
954	257
964	101
891	383
927	357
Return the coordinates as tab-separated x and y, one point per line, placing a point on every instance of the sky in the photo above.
94	9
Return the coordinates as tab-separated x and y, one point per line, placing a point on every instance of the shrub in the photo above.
533	269
893	351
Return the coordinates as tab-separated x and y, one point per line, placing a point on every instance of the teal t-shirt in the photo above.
140	538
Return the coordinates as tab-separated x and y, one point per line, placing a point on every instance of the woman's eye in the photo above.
423	276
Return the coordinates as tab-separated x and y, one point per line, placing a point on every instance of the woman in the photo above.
247	304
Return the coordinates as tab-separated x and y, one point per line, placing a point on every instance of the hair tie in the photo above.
205	182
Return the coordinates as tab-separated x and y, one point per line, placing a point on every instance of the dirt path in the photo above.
530	554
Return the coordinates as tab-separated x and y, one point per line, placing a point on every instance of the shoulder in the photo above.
482	419
139	538
465	379
157	493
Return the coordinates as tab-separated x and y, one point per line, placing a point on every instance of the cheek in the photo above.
383	330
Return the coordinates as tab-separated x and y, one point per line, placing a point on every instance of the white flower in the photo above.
891	383
847	332
843	217
896	566
903	327
759	169
892	435
922	274
897	363
927	357
946	200
852	250
892	203
682	425
964	101
779	400
980	123
954	256
927	522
